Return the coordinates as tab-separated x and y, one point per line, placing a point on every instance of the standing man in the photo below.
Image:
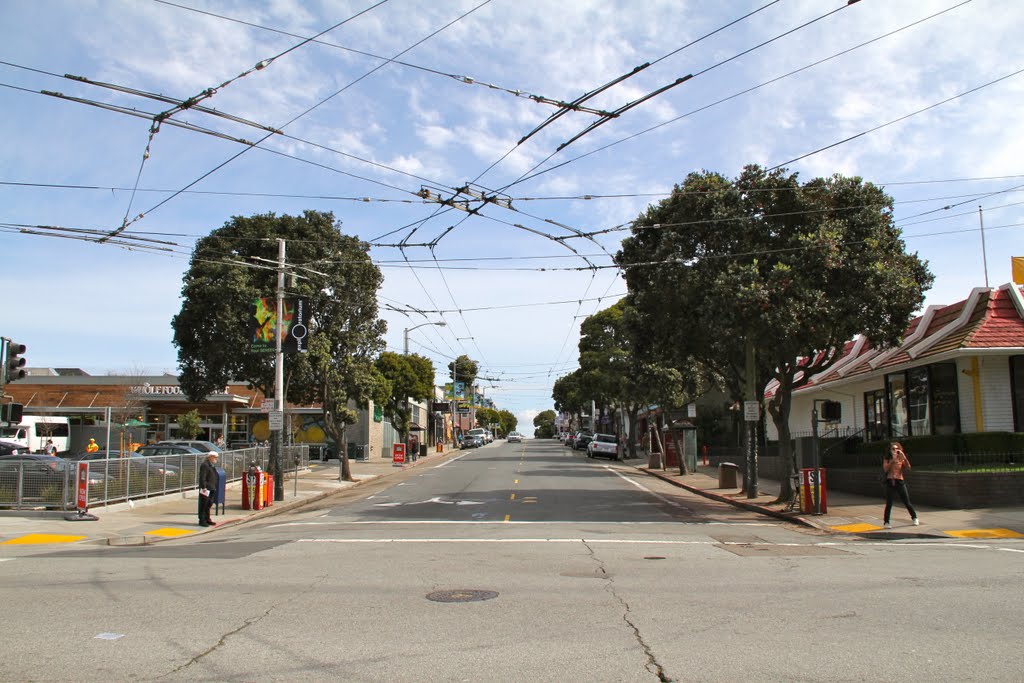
207	488
93	447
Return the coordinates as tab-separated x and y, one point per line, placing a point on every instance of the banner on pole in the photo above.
293	325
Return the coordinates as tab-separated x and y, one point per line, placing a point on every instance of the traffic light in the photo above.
11	412
15	361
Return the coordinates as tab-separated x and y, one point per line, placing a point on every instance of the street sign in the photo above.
691	410
267	405
751	411
276	420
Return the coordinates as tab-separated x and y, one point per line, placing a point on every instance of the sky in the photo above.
396	97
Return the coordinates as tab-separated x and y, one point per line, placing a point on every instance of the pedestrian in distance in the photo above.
93	447
207	488
896	465
49	448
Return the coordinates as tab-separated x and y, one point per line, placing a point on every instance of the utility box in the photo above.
221	492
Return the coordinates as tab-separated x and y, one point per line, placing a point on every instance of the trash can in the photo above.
352	452
728	475
423	450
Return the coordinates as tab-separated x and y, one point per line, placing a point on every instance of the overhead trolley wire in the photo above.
533	172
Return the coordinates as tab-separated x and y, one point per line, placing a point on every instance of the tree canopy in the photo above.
794	269
214	332
544	423
409	376
464	369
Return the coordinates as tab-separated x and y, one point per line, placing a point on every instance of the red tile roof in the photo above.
992	321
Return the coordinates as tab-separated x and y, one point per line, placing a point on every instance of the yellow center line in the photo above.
517	481
513	497
508	517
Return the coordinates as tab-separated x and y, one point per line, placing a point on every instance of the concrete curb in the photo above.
276	509
752	507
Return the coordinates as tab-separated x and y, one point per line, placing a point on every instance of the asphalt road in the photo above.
516	562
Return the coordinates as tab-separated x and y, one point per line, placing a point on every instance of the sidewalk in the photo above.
151	520
853	514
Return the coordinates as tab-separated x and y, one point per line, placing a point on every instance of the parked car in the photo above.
472	441
581	440
205	446
169	449
604	445
140	465
515	437
40	472
10	448
570	437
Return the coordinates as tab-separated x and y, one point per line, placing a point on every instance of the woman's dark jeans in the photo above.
892	487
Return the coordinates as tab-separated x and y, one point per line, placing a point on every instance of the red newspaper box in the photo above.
398	454
809	481
268	490
252	483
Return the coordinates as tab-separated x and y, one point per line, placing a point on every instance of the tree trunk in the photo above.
346	466
780	408
631	437
683	469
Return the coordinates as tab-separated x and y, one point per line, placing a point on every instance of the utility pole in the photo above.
752	417
277	441
984	256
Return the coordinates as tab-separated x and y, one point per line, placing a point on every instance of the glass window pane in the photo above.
897	386
1017	384
917	401
945	398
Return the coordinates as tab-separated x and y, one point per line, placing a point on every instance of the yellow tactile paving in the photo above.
985	533
856	528
41	539
170	532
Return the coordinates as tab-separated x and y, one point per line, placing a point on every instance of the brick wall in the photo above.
941	489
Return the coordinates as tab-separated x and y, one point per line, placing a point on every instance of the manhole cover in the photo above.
461	596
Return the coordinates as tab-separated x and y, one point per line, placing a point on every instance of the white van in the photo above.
33	431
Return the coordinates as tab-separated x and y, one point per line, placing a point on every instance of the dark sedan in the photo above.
40	476
140	465
472	441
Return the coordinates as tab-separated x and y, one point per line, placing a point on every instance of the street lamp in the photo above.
410	329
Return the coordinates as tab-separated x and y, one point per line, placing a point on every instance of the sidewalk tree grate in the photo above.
461	596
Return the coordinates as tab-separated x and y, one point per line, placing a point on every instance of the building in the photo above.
960	369
151	406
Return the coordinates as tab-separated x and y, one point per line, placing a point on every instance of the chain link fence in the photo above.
28	482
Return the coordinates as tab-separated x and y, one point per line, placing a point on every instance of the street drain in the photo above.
461	596
654	557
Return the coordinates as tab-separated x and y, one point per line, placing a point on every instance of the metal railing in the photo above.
32	484
934	462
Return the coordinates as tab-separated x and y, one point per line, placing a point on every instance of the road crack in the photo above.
652	665
248	622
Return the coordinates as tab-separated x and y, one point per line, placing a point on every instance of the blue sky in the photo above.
106	308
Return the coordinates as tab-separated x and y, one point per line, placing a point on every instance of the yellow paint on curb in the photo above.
985	533
41	539
856	528
170	532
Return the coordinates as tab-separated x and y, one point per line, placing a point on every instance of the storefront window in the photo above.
945	398
917	401
896	386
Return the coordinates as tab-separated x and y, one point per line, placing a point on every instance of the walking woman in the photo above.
895	464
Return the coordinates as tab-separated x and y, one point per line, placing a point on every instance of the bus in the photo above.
33	431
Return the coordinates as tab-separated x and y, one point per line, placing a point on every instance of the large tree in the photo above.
763	262
333	273
464	369
544	423
409	376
